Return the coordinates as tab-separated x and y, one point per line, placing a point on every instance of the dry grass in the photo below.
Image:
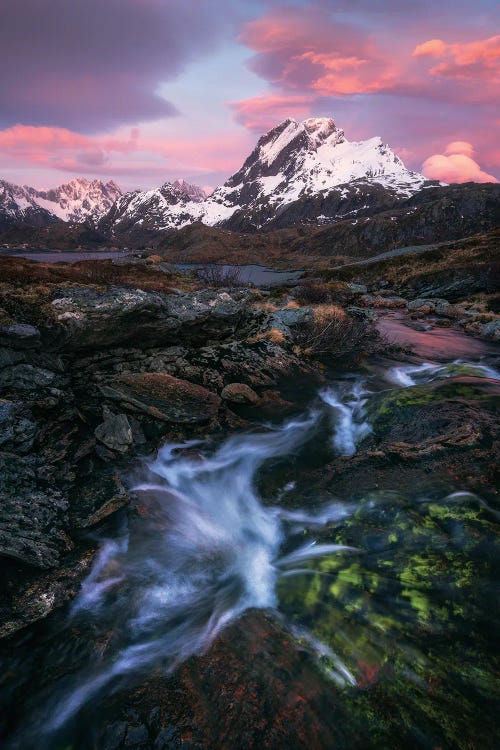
27	287
477	256
22	272
325	314
266	306
273	336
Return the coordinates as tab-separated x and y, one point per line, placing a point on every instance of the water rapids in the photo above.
204	548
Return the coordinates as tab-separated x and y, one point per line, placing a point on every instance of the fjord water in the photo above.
391	591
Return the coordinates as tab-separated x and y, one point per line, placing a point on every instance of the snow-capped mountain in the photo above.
17	206
173	205
298	172
76	201
193	192
79	199
296	161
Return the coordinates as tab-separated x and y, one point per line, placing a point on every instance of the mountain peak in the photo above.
191	192
320	129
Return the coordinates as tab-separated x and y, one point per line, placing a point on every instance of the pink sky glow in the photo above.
173	91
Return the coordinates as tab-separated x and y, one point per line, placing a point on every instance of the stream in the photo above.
391	592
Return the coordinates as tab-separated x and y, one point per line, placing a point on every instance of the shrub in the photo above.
331	332
277	292
220	276
313	291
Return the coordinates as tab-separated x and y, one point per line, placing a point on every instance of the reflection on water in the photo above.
247	274
384	591
70	256
438	343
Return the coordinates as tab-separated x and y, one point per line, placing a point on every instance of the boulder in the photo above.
290	316
424	305
239	393
355	288
491	330
164	397
115	432
88	319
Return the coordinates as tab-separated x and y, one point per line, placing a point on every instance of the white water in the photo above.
408	375
211	551
350	424
205	548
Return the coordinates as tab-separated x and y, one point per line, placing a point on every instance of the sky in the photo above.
145	91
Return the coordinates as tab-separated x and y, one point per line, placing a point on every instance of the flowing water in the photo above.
392	588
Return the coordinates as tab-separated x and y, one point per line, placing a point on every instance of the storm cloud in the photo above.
94	64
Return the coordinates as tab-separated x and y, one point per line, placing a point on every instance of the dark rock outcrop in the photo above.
105	376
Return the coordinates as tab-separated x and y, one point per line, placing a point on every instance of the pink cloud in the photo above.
456	165
460	147
305	48
124	152
61	148
350	75
479	59
432	48
263	112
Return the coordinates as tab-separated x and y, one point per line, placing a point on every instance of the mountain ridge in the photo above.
78	200
294	161
299	174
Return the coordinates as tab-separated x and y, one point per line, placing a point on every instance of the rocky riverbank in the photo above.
455	284
93	377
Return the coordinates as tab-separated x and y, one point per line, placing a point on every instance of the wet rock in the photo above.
239	393
137	737
98	498
164	397
32	521
255	688
273	402
37	597
115	432
19	336
438	417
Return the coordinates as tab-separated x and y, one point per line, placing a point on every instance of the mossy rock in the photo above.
419	404
412	615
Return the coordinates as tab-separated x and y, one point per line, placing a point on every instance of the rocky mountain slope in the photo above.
76	201
17	206
434	215
140	215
